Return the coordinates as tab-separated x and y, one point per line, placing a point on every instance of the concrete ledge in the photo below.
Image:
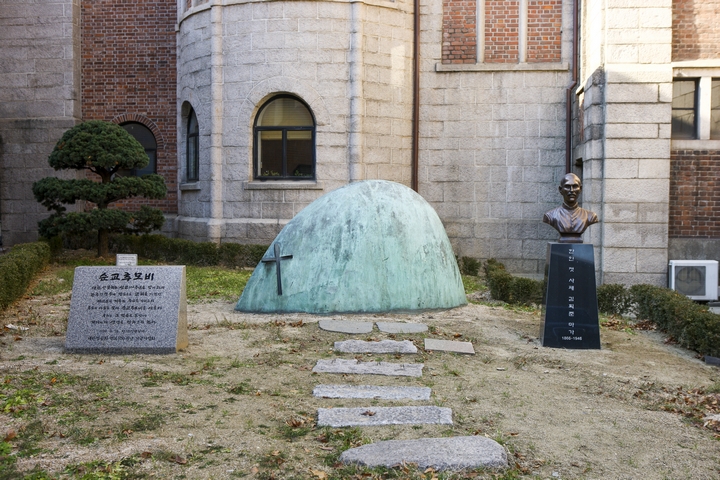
283	185
501	67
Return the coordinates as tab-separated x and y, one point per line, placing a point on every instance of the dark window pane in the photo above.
270	153
146	138
683	109
299	153
284	140
715	109
193	150
285	112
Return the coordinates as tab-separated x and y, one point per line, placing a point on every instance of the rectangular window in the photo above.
715	109
684	106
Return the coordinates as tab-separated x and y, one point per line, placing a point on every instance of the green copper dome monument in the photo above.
371	246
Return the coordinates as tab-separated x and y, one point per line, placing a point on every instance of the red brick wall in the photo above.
544	35
459	42
128	73
696	29
501	31
695	194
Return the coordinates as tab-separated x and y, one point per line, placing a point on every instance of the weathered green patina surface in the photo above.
371	246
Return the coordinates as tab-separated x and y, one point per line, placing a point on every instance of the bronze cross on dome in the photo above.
277	259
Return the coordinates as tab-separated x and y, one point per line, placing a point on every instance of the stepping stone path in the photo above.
372	391
395	327
455	453
449	346
383	346
339	365
343	326
373	416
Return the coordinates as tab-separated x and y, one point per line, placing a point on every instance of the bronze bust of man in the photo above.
570	219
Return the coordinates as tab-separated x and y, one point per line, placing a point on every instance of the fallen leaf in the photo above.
146	454
178	459
10	435
368	413
319	474
328	449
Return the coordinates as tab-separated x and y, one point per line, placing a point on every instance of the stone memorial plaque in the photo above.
126	260
128	310
570	311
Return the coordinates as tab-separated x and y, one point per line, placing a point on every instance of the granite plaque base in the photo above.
570	311
120	310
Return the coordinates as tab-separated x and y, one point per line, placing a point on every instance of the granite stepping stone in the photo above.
372	391
339	365
344	326
383	346
398	327
454	453
377	416
449	346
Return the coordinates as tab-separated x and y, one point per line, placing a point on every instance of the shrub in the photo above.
105	149
526	291
469	266
498	280
507	288
236	254
690	323
18	267
174	250
614	299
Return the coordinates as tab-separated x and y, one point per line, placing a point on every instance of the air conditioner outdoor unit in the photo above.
697	279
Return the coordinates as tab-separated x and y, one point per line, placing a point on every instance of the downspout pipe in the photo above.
415	152
570	90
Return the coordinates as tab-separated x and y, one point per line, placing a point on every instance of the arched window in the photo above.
284	140
192	150
146	138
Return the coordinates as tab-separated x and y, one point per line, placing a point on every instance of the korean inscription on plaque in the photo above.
570	315
128	310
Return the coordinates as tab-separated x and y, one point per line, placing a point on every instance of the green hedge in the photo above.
691	324
187	252
614	299
507	288
18	267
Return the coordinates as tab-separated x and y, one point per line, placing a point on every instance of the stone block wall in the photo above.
39	100
129	75
626	98
351	64
492	143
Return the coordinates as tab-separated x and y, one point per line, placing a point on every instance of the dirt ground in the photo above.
237	402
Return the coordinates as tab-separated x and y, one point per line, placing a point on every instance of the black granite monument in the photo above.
570	311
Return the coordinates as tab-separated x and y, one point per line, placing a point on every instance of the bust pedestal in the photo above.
570	311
